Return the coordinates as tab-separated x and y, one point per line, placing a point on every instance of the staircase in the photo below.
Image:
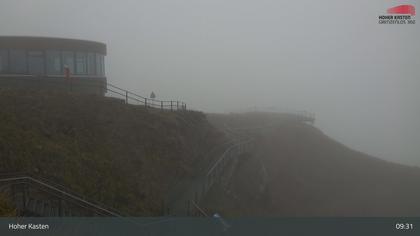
37	197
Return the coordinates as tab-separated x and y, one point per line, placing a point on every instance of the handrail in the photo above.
139	96
46	181
148	102
221	159
107	87
199	209
89	208
61	193
215	171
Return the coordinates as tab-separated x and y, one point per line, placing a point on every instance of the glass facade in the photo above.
54	65
81	63
18	63
36	63
50	62
4	61
91	64
100	68
68	60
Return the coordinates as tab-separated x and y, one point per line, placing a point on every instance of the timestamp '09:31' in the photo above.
404	226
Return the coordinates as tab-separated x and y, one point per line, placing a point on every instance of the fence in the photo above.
215	174
37	197
241	146
305	116
91	85
132	98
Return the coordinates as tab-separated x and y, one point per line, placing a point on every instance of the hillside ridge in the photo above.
123	155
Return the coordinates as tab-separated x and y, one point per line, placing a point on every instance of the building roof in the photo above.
43	43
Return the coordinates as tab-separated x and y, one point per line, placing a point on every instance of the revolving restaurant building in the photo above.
52	63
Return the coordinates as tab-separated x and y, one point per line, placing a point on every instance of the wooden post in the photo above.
145	102
126	97
171	106
177	105
161	105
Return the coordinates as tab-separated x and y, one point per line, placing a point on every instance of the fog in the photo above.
332	58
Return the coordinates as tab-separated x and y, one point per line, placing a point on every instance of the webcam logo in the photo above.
403	9
400	15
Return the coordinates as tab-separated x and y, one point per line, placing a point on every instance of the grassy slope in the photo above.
309	174
6	207
124	156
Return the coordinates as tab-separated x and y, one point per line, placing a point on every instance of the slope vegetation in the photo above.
124	156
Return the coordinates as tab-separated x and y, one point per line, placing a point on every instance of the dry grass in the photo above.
6	207
124	156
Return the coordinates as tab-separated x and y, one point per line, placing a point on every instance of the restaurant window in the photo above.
81	63
18	62
100	68
4	61
68	60
54	66
91	64
36	62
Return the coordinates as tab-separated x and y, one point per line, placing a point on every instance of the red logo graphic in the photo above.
402	9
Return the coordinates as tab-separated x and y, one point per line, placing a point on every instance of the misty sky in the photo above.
328	57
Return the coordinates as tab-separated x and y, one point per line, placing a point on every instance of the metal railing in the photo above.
135	99
56	191
97	85
305	116
242	143
240	146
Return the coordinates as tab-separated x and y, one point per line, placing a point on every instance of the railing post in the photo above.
161	105
171	106
13	194
60	208
196	197
163	208
188	207
24	196
203	191
71	84
145	102
177	105
205	186
126	97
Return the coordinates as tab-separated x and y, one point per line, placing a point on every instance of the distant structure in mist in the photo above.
301	115
52	63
